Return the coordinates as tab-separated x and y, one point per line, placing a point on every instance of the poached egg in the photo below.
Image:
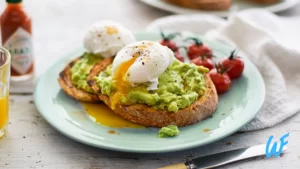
106	38
139	62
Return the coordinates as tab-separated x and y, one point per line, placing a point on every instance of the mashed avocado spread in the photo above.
179	86
169	131
81	70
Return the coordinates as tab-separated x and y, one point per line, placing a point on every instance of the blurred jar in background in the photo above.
16	37
4	89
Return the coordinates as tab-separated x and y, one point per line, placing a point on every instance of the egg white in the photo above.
152	60
99	41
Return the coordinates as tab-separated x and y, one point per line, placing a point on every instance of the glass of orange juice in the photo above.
4	89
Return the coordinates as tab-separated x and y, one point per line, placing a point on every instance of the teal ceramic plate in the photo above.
236	108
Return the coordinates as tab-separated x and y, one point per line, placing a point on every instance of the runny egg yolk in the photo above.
123	86
106	117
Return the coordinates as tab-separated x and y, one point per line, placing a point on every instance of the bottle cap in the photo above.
13	1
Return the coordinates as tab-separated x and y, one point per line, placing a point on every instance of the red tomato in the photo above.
198	49
170	44
221	80
234	65
167	40
202	61
179	56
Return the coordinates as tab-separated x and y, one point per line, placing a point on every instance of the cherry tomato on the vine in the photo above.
220	78
203	61
179	56
234	65
167	40
198	49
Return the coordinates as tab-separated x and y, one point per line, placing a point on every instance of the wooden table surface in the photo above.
32	143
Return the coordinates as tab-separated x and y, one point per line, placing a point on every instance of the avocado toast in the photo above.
201	109
146	85
69	86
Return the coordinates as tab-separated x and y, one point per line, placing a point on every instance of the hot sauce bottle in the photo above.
16	37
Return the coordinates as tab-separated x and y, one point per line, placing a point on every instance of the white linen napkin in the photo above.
271	43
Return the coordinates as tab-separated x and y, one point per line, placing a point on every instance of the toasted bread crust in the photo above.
203	108
65	83
100	66
202	4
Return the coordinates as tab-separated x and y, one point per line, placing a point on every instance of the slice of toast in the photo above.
203	108
202	4
65	83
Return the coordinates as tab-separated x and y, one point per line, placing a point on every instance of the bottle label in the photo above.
19	45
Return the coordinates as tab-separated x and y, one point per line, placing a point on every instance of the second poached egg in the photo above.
106	38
